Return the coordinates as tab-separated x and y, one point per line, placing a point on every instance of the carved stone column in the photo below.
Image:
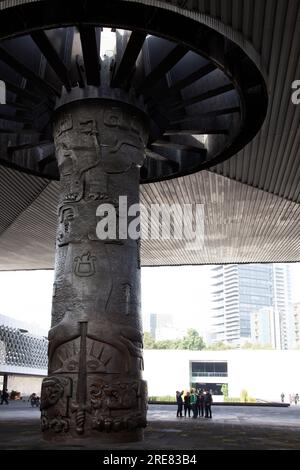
94	385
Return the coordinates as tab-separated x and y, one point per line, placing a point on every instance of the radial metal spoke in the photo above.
154	155
193	77
203	96
195	131
15	118
162	68
90	54
22	92
174	145
27	73
127	64
41	40
209	114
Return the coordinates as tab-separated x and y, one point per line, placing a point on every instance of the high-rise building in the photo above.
240	290
163	326
265	327
295	330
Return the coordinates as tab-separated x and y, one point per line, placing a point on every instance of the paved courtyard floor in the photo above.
231	427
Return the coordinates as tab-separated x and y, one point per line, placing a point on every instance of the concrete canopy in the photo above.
251	201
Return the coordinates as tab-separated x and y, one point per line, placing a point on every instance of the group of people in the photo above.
199	402
34	399
293	398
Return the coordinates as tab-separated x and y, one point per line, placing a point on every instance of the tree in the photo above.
167	344
224	390
192	340
148	340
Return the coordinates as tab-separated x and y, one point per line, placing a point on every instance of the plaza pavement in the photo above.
231	427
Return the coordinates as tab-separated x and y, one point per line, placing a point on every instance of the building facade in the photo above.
23	356
240	290
265	327
295	336
163	326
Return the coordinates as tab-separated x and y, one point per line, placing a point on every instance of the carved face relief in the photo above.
67	214
52	391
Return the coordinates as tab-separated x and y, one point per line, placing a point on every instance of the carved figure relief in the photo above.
98	358
126	339
66	215
117	406
77	153
65	124
55	397
122	150
84	266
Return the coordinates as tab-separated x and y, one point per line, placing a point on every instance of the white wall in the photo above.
265	374
24	384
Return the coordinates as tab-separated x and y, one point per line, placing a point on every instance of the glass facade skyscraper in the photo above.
240	290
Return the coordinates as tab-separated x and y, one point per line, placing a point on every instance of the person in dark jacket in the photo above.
193	400
187	404
207	404
201	403
4	396
179	401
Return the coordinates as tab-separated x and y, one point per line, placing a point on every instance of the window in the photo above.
209	369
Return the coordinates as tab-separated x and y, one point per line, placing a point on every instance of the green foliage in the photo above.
148	341
238	400
219	346
192	341
224	390
167	344
244	395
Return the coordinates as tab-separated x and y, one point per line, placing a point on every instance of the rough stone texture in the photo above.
95	343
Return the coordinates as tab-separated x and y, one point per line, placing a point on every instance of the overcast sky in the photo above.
181	291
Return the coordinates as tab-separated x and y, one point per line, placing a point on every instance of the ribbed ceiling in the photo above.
238	226
251	201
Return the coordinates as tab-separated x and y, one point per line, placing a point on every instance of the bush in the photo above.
244	395
238	400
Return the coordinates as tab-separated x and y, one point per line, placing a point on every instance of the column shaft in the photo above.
95	343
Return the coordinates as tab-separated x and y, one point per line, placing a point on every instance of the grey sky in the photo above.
182	291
